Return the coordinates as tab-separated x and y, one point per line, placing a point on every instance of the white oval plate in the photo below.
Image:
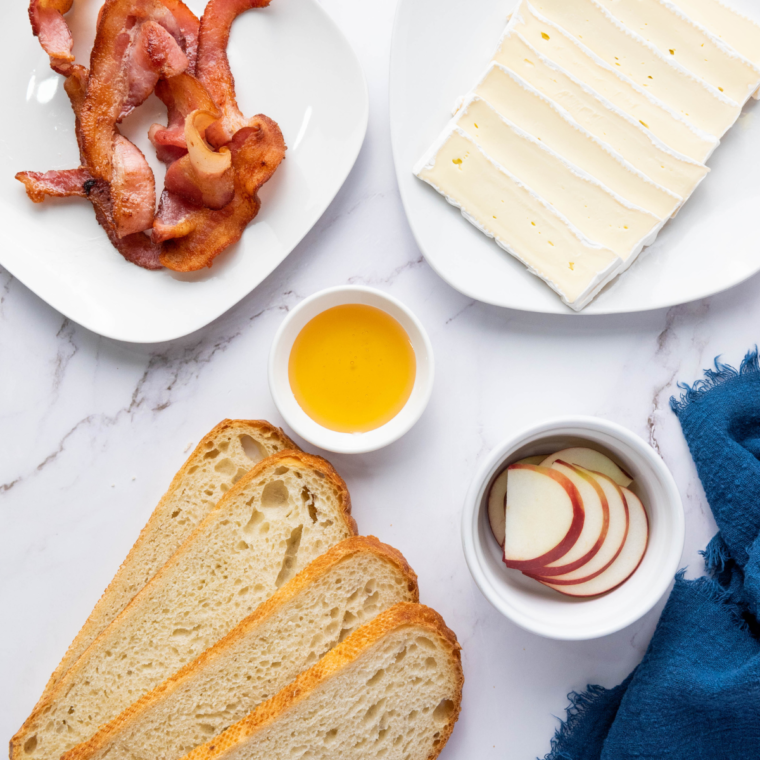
438	50
290	62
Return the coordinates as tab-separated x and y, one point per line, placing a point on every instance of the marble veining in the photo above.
93	430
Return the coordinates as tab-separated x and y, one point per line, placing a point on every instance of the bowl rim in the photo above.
372	440
471	544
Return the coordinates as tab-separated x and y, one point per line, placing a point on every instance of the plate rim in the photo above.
561	309
116	332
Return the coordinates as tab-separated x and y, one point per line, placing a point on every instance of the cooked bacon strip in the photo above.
213	68
153	53
257	151
59	184
176	218
133	189
181	95
48	24
203	176
115	64
188	25
46	17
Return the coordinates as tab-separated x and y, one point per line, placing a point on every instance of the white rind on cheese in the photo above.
519	220
602	216
542	118
630	139
699	102
572	56
735	29
691	45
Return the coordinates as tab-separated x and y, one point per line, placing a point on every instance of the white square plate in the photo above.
290	62
439	49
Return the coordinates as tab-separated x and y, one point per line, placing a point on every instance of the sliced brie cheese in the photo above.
735	29
535	114
519	220
634	142
701	103
599	214
673	33
574	57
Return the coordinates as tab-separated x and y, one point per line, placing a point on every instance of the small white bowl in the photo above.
540	609
305	426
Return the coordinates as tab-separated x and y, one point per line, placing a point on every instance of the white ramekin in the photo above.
540	609
305	426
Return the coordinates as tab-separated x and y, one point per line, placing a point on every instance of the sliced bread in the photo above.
279	517
338	592
391	690
216	464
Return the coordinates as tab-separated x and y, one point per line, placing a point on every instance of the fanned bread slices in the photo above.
216	464
391	690
279	517
339	591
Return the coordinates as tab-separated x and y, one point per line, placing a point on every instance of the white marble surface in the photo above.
92	431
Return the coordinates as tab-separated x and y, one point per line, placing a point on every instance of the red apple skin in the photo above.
576	525
548	572
590	576
617	585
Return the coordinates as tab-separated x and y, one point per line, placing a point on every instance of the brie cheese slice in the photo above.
698	101
634	142
599	214
674	34
576	59
734	28
535	114
521	222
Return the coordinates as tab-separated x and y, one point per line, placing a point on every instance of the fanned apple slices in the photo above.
569	521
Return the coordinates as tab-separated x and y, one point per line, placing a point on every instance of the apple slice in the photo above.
595	527
627	561
613	543
544	516
497	499
591	460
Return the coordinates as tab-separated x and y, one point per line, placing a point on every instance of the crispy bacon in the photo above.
154	53
59	184
211	195
181	95
49	26
203	176
213	68
188	25
115	65
257	151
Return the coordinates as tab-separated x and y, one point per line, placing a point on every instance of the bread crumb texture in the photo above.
392	690
338	592
279	517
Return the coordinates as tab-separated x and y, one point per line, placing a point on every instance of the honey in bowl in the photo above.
352	368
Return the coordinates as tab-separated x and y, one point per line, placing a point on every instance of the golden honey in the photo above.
352	368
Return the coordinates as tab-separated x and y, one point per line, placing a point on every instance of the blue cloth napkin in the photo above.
696	694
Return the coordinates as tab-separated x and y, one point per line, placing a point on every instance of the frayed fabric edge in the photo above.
580	704
716	555
713	378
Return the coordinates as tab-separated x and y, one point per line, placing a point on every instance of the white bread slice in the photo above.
391	690
339	591
283	514
216	464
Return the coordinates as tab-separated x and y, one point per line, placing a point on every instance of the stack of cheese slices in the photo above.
250	621
591	128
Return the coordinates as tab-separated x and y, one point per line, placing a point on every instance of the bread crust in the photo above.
254	428
313	572
401	615
293	458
